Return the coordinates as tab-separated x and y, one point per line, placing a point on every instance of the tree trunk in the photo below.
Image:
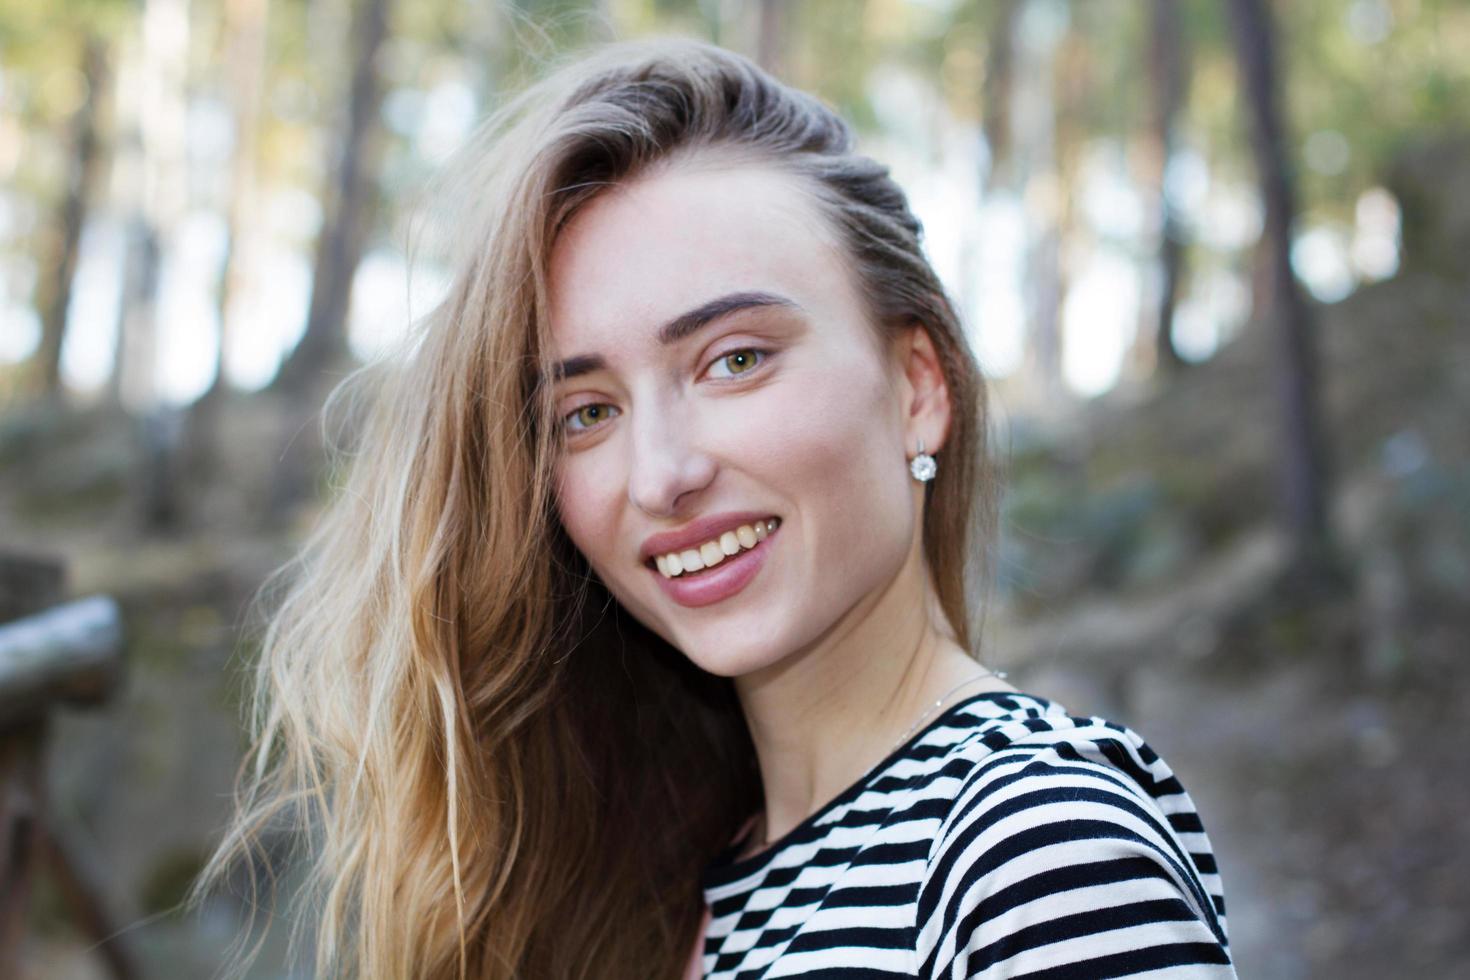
152	141
353	200
245	26
1034	131
54	296
134	374
1169	77
1304	463
995	93
770	41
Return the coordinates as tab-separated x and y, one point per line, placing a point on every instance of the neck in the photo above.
825	715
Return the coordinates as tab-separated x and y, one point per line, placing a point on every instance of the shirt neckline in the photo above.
722	869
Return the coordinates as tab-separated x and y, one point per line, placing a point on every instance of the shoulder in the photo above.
1067	840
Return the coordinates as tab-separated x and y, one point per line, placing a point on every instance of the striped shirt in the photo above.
1008	838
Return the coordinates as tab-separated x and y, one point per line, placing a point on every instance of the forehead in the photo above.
644	252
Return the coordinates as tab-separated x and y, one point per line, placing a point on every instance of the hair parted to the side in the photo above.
500	772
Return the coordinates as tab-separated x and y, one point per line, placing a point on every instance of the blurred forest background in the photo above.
1214	255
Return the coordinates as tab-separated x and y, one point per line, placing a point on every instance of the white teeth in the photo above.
711	553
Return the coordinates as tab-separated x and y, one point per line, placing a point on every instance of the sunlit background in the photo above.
197	194
1078	192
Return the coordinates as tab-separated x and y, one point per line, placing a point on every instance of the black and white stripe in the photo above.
1007	839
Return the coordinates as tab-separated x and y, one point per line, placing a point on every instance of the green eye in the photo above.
590	415
741	361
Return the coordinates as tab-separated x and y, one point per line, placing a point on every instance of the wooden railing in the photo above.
52	655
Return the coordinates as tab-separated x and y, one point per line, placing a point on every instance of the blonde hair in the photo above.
499	771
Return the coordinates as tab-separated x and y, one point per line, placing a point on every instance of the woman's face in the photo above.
720	372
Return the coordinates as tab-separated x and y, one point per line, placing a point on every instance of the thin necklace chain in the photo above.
765	841
988	673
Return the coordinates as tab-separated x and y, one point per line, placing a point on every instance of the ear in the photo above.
925	394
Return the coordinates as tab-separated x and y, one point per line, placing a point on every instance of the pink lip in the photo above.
724	580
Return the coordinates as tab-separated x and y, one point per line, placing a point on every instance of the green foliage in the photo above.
1376	93
40	48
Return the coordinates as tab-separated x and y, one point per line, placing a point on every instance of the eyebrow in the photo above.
681	326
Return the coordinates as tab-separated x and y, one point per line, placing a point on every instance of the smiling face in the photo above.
772	399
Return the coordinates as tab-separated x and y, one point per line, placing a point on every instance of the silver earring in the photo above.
923	466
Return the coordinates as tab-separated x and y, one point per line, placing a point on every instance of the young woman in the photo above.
641	643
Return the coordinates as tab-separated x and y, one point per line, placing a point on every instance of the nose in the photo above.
668	463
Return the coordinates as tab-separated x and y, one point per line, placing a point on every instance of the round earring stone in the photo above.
923	468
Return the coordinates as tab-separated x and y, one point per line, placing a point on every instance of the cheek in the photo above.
831	440
584	511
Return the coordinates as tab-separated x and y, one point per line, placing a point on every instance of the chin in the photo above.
727	661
